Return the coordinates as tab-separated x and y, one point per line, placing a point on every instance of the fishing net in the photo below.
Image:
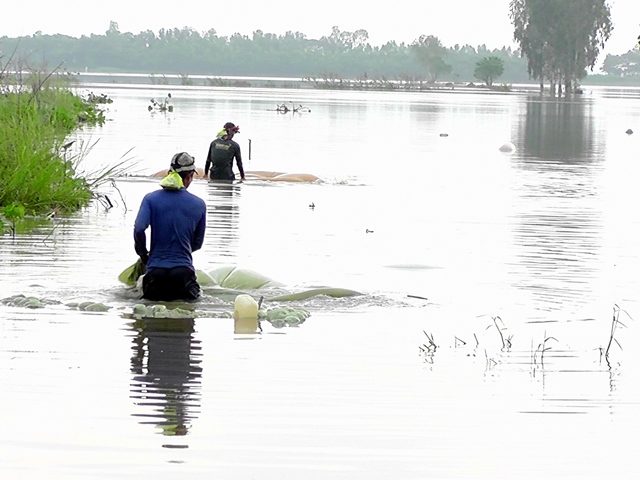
131	274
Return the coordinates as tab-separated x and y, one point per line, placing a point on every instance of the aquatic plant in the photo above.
158	79
163	106
506	341
537	355
10	215
106	176
458	342
615	323
103	98
490	362
428	349
185	80
282	108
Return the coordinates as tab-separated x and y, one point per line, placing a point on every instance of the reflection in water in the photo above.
222	218
558	129
557	254
246	326
346	395
558	218
165	365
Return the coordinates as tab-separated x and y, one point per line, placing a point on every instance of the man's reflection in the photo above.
223	218
166	373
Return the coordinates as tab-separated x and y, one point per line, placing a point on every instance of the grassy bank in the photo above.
37	114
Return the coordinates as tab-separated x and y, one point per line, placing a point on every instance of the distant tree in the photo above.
624	65
489	69
560	38
114	29
430	53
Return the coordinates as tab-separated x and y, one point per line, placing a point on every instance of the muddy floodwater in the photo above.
496	334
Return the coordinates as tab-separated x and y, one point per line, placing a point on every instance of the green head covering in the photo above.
173	181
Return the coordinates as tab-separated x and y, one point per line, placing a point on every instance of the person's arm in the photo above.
208	162
239	162
143	220
198	236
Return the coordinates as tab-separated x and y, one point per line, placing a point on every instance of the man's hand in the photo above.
144	259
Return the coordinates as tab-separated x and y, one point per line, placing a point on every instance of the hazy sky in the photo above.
471	22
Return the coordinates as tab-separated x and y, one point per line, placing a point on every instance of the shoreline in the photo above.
164	80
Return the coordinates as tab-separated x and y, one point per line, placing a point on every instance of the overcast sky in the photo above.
472	22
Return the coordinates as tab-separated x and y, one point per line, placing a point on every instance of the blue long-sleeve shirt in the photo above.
178	222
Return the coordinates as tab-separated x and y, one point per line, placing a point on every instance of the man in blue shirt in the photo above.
178	221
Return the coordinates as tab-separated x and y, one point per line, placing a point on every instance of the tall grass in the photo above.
37	113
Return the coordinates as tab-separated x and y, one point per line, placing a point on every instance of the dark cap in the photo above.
183	162
229	126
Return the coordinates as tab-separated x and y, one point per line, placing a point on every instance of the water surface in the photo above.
513	264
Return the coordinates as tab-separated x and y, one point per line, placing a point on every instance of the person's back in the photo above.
174	217
178	221
222	151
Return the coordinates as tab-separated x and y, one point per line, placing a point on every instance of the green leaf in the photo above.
14	211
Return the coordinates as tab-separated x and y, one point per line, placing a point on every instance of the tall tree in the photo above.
430	53
560	38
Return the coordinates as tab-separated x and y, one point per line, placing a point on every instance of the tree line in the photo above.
185	51
559	40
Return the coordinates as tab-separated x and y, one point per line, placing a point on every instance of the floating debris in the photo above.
163	106
282	108
507	148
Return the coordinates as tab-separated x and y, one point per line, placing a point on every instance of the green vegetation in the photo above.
186	52
163	106
561	38
37	113
430	53
489	69
625	66
545	29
